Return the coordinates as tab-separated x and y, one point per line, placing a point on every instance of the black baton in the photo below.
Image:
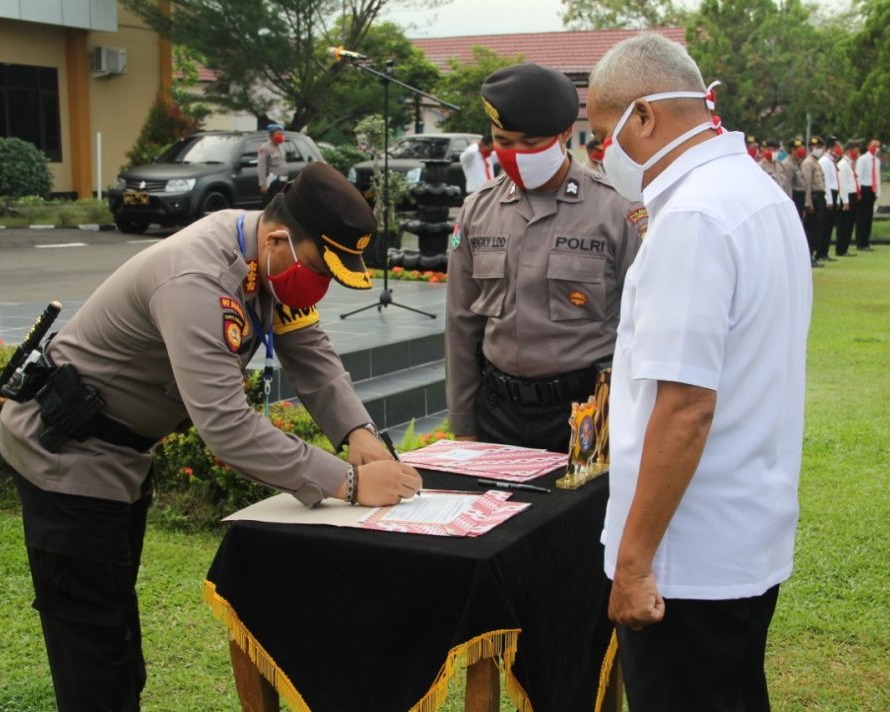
35	336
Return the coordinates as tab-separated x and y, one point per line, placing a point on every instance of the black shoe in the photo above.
816	263
848	254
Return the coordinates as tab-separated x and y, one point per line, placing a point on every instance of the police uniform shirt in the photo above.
793	176
271	161
165	338
813	179
774	170
538	285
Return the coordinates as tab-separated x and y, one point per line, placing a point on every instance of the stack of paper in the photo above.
496	462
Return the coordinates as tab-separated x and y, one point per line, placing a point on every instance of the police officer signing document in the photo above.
162	341
537	264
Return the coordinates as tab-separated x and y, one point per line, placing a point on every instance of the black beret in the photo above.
536	100
772	143
337	217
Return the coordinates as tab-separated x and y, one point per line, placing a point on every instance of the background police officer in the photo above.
272	163
165	340
535	273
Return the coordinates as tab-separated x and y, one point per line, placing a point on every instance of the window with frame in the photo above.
29	107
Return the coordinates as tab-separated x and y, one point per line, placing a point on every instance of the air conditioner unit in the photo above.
108	60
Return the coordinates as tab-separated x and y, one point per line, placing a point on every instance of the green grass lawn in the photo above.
830	643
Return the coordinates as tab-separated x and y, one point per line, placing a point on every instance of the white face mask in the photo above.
818	152
625	174
530	169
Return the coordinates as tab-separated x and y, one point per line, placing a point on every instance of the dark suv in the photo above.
200	174
407	154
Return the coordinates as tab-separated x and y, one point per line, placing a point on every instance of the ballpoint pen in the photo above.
512	485
384	436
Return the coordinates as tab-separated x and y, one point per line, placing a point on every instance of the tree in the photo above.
461	87
868	108
166	122
267	50
765	56
619	14
357	93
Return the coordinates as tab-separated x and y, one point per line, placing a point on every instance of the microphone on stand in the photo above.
340	54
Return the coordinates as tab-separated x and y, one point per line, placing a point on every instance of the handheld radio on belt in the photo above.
15	375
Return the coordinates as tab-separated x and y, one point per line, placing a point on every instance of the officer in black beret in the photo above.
536	266
164	341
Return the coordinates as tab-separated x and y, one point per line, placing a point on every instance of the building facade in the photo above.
77	78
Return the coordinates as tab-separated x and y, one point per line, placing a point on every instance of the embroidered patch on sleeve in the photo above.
232	332
640	218
456	236
286	319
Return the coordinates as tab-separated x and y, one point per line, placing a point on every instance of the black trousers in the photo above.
864	217
799	198
831	210
499	421
704	655
814	223
274	189
845	221
84	555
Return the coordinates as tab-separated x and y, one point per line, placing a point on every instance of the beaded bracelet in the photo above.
351	485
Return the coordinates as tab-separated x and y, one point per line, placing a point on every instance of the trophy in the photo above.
589	444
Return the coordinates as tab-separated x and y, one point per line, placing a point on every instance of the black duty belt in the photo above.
565	388
116	433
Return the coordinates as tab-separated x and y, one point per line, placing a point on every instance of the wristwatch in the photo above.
371	428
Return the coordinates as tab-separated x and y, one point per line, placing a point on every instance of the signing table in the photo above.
343	619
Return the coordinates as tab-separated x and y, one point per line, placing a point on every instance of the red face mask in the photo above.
752	151
854	154
837	152
801	152
872	150
298	286
768	155
278	138
485	151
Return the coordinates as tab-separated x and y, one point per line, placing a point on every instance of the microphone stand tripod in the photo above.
386	78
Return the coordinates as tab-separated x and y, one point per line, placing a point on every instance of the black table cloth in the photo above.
342	619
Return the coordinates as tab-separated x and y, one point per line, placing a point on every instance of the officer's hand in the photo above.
364	447
466	438
263	189
808	211
386	482
845	206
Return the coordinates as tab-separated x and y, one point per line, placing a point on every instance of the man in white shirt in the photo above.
868	169
478	161
848	198
828	164
707	394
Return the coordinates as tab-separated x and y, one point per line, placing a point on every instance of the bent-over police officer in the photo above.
536	267
163	341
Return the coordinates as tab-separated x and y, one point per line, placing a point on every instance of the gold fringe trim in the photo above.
606	671
500	646
223	611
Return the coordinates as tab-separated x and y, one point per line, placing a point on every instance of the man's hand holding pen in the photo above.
380	479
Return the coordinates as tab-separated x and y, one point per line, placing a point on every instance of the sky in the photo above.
480	17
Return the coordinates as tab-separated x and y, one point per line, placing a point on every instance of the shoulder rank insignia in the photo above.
572	187
640	218
250	281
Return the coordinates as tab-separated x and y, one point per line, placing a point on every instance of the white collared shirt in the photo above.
718	297
868	166
829	172
846	179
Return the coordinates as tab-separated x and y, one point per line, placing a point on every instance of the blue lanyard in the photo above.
266	336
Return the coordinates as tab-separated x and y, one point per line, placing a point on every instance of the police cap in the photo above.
275	127
772	143
527	97
337	217
816	141
750	138
795	143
